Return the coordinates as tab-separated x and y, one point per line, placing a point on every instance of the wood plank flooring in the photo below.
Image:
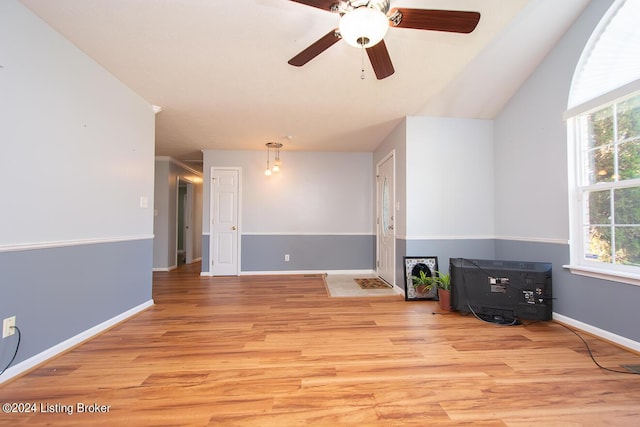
277	351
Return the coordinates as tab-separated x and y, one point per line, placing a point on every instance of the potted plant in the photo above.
442	282
422	283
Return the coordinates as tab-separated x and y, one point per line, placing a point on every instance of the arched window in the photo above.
604	141
610	60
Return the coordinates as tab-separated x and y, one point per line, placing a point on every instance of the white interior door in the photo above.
386	233
225	224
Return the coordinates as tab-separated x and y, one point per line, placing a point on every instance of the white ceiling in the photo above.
218	68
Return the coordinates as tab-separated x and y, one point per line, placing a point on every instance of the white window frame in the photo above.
606	72
579	263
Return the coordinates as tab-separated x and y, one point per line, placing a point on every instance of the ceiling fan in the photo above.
364	24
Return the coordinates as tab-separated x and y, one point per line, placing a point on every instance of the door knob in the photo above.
234	228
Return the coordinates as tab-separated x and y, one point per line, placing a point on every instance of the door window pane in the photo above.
386	219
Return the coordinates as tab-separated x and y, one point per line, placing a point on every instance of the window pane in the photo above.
628	245
629	118
598	245
600	128
599	207
629	159
627	206
601	165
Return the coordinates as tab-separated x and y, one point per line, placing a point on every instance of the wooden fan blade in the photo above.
453	21
380	60
320	4
315	49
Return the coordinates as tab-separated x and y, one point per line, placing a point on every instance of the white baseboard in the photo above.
278	272
71	342
330	272
165	269
601	333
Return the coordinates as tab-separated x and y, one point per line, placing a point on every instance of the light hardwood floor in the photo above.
277	351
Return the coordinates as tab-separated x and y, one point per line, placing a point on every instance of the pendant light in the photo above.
276	146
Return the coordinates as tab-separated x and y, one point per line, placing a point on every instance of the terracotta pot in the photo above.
423	289
444	299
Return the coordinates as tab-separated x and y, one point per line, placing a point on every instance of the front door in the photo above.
386	233
225	206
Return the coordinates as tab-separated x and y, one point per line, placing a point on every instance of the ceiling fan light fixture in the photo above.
363	27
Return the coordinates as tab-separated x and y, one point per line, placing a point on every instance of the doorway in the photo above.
184	221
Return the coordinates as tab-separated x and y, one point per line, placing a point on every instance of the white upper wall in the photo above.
531	177
314	193
449	178
77	146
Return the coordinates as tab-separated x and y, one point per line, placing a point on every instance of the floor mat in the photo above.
372	283
344	285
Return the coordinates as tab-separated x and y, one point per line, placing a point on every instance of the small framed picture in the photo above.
413	266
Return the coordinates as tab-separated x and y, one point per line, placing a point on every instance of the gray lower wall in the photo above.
607	305
341	252
307	252
57	293
401	252
206	261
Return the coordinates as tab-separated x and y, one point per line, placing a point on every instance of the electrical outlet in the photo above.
286	258
7	326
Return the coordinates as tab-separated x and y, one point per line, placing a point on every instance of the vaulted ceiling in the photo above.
218	68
